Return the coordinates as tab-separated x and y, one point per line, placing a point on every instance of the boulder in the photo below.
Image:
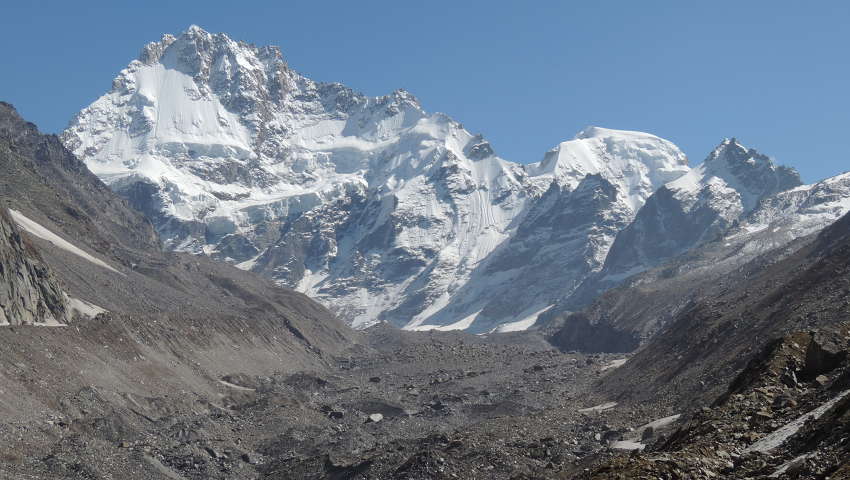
827	349
789	378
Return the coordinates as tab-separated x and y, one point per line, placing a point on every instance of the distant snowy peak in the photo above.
202	88
737	170
217	125
369	204
697	206
636	163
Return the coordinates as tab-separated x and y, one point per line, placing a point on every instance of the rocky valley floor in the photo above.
417	405
402	405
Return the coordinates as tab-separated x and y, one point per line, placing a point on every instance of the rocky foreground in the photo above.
786	416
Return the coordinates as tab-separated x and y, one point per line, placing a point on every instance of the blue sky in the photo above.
774	74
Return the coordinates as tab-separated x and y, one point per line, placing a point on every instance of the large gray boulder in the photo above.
828	348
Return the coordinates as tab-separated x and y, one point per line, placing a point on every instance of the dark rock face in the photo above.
828	348
559	223
757	174
579	332
662	229
29	291
478	148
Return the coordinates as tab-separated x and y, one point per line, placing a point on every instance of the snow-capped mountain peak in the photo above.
746	172
376	208
697	206
637	163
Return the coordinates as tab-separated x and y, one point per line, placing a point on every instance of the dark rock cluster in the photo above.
29	290
768	425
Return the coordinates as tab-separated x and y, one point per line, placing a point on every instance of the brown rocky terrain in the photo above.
787	415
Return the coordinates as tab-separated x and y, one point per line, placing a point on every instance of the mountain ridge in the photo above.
383	212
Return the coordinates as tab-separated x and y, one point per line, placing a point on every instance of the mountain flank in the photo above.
691	362
105	328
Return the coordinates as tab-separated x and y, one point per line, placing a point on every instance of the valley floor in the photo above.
403	405
412	405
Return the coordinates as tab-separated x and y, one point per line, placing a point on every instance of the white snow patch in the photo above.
41	232
460	325
75	305
626	445
600	408
169	473
754	228
83	307
622	276
236	387
49	321
661	422
248	264
520	325
614	364
785	466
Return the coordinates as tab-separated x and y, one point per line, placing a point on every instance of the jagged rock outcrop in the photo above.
828	348
697	207
29	291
